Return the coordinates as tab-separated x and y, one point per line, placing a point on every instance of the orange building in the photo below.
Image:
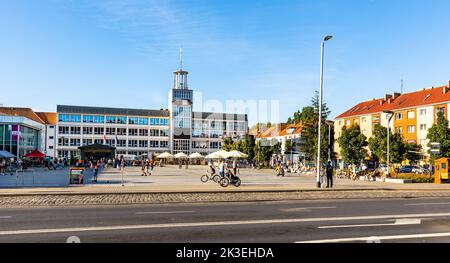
414	114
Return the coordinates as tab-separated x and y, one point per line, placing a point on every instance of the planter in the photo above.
398	181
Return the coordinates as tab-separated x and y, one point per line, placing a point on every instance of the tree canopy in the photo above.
440	133
352	143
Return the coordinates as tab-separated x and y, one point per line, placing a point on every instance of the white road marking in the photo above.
306	209
218	223
398	237
426	204
398	222
164	212
5	217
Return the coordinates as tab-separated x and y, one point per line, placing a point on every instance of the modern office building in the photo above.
140	131
414	114
22	130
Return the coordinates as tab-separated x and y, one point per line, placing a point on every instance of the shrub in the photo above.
416	178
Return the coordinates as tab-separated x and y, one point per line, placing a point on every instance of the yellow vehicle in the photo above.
441	170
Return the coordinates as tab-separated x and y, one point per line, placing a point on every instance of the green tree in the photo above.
249	146
413	152
378	145
352	143
228	144
440	133
309	117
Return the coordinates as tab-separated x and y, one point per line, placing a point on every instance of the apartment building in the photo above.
414	114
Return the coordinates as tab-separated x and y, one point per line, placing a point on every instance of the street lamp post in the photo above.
391	113
320	107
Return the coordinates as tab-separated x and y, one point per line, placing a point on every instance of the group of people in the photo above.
225	167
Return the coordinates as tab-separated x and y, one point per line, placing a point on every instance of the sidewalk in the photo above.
170	184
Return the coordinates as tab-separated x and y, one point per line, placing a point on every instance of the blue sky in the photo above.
121	53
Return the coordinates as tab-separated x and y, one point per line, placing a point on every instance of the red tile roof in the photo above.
408	100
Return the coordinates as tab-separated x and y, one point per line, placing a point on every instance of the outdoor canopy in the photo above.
181	156
218	155
164	155
34	154
5	154
236	154
196	156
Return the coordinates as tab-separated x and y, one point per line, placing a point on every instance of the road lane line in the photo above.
426	204
164	212
218	223
399	222
306	209
5	217
398	237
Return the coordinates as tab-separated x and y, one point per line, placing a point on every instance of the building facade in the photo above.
138	131
22	131
413	115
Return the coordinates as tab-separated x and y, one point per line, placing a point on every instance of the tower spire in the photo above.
181	58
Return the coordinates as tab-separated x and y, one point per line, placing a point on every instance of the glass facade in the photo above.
182	116
18	139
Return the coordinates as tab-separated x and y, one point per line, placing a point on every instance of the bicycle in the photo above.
210	177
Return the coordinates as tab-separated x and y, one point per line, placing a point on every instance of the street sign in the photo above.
435	148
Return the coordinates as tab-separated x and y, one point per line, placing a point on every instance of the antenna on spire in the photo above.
181	58
401	87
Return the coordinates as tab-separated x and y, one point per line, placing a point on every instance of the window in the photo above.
75	130
411	129
340	122
63	130
51	127
121	131
87	130
164	122
69	118
133	132
121	143
133	120
154	144
164	133
111	119
121	120
143	132
163	144
347	123
99	130
399	130
399	116
423	112
50	147
88	118
363	120
154	121
154	132
63	142
132	143
51	138
411	114
74	142
423	127
99	119
143	144
110	131
376	119
87	141
143	121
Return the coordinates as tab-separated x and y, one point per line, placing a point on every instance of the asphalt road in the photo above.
406	220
